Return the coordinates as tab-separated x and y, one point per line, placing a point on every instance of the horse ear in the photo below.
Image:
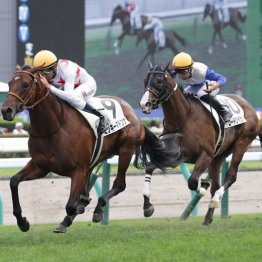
166	67
17	68
150	64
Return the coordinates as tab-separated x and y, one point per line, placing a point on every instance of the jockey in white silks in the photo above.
156	24
135	18
223	12
70	82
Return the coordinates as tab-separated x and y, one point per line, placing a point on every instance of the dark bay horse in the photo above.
61	141
148	35
234	16
196	135
124	18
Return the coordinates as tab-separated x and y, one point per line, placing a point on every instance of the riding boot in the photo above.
103	126
222	110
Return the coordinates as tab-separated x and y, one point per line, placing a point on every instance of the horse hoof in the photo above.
25	226
149	211
80	209
97	217
213	204
207	222
60	229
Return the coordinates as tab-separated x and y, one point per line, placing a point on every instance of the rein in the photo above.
26	98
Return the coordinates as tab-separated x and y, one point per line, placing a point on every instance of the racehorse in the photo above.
61	141
124	17
148	35
234	16
196	134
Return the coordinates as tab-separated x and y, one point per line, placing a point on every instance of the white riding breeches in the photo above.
198	91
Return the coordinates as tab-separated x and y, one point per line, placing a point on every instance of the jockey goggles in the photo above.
46	71
182	71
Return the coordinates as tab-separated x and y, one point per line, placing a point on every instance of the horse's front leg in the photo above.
29	172
201	165
231	175
148	207
118	43
119	184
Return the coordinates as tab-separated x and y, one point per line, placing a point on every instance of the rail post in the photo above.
105	188
224	201
194	202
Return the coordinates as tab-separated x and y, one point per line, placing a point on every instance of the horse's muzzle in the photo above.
8	112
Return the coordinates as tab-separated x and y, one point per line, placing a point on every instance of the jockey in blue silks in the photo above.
201	81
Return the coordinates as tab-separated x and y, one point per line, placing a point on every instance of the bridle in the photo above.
33	88
161	93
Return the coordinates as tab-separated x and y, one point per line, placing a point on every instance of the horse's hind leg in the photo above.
214	175
239	149
148	207
119	185
68	220
29	172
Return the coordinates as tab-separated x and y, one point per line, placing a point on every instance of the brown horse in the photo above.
124	17
196	134
148	35
234	16
61	141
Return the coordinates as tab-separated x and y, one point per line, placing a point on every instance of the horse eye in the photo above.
25	85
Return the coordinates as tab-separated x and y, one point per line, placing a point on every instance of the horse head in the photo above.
25	92
156	88
208	10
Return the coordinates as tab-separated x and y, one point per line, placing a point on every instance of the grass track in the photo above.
236	239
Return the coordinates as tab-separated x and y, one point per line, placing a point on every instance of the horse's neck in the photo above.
47	116
176	108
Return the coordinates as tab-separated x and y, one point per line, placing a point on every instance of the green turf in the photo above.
168	239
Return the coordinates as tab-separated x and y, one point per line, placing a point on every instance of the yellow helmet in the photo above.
182	61
45	58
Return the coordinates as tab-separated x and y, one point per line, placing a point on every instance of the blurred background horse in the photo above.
170	42
124	18
234	16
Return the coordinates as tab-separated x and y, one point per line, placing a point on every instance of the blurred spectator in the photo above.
3	130
19	129
239	90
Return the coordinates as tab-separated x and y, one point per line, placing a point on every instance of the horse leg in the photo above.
118	43
201	165
148	207
214	175
119	184
239	31
68	220
211	47
221	39
238	152
143	59
29	172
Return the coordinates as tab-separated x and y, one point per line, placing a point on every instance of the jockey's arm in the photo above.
68	93
211	75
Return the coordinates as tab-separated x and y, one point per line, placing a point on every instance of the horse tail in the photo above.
156	151
241	17
179	38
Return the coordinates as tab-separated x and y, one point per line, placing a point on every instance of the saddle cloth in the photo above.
112	111
236	119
